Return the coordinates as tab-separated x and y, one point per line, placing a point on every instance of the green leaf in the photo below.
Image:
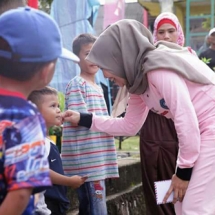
61	99
206	60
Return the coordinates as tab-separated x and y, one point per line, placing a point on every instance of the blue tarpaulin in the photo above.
73	18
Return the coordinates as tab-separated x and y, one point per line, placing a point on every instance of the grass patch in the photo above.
129	144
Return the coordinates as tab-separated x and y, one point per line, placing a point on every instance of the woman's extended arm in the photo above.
134	118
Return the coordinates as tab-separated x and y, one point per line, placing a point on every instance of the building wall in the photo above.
132	11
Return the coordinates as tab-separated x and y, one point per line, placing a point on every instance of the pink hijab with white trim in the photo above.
174	19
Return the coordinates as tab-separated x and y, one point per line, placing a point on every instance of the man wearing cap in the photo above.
30	43
208	56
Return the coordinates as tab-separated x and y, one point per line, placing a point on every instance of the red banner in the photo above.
33	3
114	10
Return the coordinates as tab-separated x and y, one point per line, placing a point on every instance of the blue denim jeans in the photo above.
92	198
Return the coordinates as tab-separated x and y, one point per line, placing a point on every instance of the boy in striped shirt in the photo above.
85	152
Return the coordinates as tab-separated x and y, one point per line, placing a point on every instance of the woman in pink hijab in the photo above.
168	28
158	133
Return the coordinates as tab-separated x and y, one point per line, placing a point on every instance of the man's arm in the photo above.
18	199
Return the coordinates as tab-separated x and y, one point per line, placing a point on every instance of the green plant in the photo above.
206	24
45	5
55	130
129	144
206	60
61	99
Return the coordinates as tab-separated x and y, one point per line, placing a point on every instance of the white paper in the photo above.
161	188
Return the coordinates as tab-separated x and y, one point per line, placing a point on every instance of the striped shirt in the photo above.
87	152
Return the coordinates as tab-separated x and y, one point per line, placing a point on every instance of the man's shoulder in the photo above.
17	108
21	117
207	53
77	80
12	100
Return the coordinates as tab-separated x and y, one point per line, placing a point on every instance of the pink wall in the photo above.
114	10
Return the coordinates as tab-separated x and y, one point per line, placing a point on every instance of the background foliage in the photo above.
45	5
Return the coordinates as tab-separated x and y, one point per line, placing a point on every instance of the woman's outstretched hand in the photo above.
179	187
71	116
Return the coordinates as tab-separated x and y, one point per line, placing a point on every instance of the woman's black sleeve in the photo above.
85	119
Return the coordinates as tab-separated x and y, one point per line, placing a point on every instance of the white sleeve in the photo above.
40	205
47	147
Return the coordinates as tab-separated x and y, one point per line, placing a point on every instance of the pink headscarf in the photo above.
174	19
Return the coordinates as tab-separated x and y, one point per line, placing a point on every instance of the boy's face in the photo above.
86	66
49	108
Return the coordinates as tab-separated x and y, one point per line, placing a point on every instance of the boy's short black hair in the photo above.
15	70
37	95
82	39
6	5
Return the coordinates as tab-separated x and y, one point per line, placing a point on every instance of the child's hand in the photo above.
77	181
71	116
